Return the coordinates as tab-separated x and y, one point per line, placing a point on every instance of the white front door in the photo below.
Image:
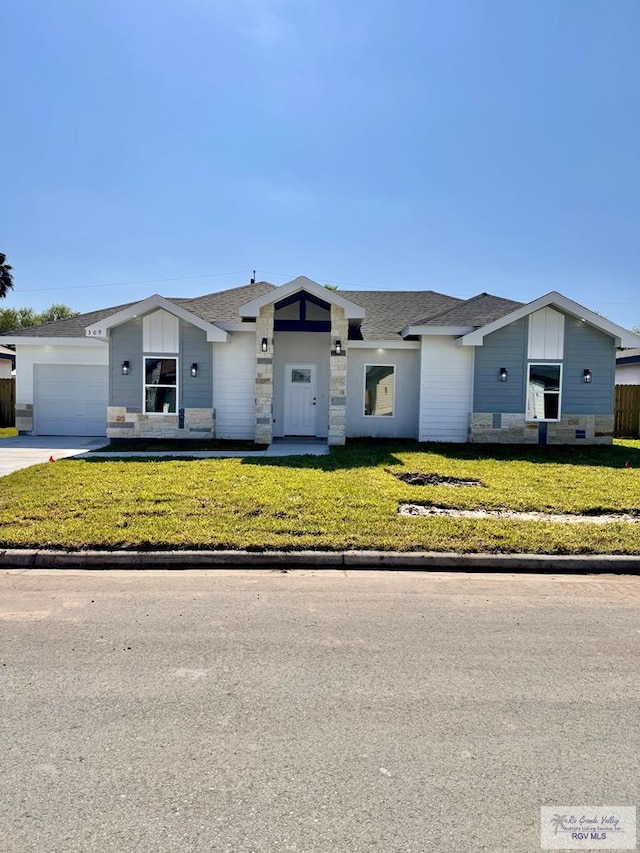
300	399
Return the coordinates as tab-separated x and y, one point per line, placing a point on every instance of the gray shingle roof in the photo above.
225	305
387	311
477	311
73	327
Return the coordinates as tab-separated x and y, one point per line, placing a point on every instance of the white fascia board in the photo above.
436	330
622	337
25	340
352	311
383	344
102	327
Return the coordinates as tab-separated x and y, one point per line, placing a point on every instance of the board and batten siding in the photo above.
125	344
234	386
446	385
404	421
196	392
588	348
506	347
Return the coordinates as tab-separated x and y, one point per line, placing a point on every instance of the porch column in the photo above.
264	377
338	377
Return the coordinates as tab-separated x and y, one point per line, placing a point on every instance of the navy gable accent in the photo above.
302	325
302	297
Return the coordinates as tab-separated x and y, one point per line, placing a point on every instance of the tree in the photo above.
21	318
6	276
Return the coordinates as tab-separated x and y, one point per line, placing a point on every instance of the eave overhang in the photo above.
102	328
622	337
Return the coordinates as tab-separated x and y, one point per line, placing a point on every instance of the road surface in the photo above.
311	711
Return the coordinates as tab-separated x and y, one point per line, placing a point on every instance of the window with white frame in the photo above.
543	392
160	385
379	390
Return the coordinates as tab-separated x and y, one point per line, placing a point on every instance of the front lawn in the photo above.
348	500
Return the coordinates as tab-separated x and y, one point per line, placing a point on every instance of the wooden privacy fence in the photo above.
7	402
627	423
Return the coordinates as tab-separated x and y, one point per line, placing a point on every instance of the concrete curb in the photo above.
352	560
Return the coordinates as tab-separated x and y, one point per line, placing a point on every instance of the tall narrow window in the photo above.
379	390
543	392
160	385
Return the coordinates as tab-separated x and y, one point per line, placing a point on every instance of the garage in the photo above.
70	399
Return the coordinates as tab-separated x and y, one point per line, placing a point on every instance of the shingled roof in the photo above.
387	311
477	311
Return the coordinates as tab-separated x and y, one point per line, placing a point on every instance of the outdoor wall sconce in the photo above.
338	347
265	344
125	368
194	368
504	374
586	376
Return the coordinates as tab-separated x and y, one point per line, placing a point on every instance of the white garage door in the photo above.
70	399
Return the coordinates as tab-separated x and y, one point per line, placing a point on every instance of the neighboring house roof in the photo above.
628	356
5	352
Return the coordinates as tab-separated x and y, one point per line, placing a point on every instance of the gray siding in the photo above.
506	347
404	422
196	391
586	347
125	344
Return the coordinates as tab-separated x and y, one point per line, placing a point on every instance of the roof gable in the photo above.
352	311
102	327
622	337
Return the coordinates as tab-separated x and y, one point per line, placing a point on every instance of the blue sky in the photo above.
462	146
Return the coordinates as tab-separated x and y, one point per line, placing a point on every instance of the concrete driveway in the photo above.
21	451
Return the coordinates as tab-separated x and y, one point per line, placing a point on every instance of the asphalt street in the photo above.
311	711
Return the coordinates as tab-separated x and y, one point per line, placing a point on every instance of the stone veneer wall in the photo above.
507	428
264	376
24	417
188	424
338	377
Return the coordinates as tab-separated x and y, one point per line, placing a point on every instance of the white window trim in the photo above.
161	356
364	390
559	364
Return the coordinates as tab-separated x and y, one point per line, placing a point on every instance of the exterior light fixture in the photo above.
338	347
587	375
504	374
194	368
125	368
265	344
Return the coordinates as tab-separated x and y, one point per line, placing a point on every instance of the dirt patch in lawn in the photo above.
417	478
418	510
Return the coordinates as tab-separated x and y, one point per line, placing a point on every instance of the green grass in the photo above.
8	432
346	500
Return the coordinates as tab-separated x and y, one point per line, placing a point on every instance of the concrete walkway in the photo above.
22	451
